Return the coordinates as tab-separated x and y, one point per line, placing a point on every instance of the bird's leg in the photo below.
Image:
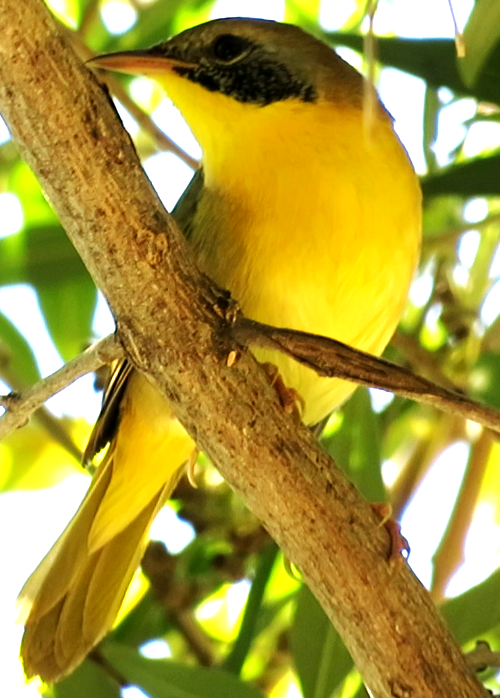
290	400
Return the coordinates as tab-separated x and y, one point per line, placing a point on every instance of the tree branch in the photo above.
53	426
326	356
143	119
20	406
334	359
171	319
482	657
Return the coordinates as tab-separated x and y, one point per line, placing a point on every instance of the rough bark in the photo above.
170	319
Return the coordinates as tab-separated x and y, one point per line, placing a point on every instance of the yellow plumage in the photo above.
316	237
72	598
309	218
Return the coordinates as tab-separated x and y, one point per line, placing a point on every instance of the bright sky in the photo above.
34	519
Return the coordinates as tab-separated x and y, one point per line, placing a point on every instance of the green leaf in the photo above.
155	24
17	362
433	60
432	105
88	681
235	660
36	209
478	177
39	255
475	612
68	310
165	679
45	258
302	9
320	656
481	35
356	446
146	621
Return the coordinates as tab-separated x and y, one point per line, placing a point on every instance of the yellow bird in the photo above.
307	215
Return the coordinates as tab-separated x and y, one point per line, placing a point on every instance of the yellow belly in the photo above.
325	244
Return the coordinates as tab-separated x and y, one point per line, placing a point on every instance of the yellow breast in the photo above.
317	229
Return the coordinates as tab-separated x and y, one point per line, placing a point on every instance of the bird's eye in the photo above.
227	48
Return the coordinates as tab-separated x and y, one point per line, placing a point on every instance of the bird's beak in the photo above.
147	62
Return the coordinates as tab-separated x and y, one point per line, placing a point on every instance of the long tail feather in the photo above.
71	600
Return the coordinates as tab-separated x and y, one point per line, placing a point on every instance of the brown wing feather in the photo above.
107	423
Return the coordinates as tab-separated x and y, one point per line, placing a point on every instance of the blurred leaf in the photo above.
165	679
45	258
270	611
65	10
355	446
320	656
88	681
68	310
38	461
485	379
479	118
36	209
18	366
145	622
40	256
241	647
431	109
155	23
192	13
475	612
440	216
433	60
481	35
478	177
302	10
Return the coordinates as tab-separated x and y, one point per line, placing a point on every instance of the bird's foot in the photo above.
400	548
290	400
190	468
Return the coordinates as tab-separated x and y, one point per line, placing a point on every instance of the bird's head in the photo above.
242	76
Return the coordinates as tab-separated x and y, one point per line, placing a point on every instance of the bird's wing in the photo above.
185	208
107	423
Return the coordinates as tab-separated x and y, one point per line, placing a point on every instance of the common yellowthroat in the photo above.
309	218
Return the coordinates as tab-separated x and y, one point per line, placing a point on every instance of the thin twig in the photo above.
423	360
450	553
54	427
432	242
194	635
459	37
97	656
444	430
20	406
482	657
333	359
89	16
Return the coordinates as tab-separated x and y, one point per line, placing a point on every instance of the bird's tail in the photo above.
71	600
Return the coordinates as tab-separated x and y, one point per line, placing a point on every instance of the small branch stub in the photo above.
20	406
